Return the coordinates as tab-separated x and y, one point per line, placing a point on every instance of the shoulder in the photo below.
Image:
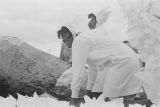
81	41
84	36
86	33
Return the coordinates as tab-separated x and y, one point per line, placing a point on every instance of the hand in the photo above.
76	102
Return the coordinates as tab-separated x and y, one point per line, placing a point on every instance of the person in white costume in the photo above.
98	50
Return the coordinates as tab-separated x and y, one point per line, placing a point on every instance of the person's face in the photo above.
92	23
65	36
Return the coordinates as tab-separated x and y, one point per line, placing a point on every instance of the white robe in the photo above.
101	74
100	80
100	51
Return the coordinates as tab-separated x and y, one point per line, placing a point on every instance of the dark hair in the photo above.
143	64
59	33
126	41
91	15
63	30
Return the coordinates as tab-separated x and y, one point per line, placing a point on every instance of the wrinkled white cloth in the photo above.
99	83
100	51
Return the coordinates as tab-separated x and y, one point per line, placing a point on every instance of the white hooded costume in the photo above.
98	50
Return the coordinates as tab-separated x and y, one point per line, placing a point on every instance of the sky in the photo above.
37	21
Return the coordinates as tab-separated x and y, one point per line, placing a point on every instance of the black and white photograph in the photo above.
79	53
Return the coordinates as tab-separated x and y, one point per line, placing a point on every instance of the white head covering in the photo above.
102	16
71	28
80	23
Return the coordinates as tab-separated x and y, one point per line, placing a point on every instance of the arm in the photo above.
92	74
80	51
